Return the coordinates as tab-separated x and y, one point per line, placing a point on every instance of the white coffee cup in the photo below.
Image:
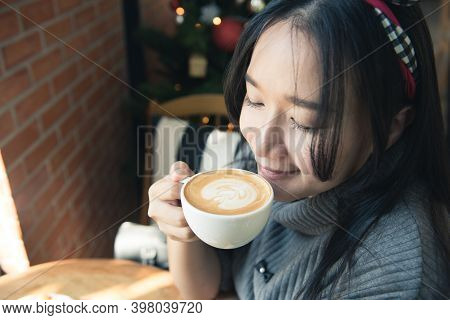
226	231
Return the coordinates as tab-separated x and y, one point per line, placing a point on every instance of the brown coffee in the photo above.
227	192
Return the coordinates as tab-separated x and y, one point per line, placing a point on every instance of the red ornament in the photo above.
226	35
174	4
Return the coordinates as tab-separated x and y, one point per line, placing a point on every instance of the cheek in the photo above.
305	161
249	122
250	117
303	154
352	154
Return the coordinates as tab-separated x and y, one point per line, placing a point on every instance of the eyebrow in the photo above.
292	99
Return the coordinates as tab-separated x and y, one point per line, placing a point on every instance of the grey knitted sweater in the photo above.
398	259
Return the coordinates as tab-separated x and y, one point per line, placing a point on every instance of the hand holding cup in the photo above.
164	204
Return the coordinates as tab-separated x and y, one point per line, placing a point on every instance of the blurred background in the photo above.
68	129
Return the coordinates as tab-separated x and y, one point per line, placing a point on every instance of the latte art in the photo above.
229	194
227	191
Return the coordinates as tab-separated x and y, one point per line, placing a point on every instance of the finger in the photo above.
166	213
176	203
164	189
179	233
180	170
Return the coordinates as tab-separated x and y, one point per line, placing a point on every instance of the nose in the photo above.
269	141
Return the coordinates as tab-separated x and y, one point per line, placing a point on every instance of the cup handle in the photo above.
185	180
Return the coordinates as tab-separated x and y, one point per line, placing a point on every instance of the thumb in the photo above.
180	170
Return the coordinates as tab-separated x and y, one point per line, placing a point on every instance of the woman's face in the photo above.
278	127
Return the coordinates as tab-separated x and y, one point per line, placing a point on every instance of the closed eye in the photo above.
298	126
294	124
253	104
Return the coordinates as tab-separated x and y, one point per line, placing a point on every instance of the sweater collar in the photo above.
318	214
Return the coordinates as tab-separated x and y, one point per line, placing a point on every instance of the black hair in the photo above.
353	51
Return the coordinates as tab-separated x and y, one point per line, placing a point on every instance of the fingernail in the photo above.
179	170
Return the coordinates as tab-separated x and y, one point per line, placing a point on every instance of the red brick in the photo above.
112	82
115	20
105	5
90	172
78	223
96	53
26	220
6	124
85	66
70	219
106	106
63	153
85	226
42	225
71	190
17	176
75	162
84	17
95	98
119	55
37	256
55	112
24	196
98	29
38	12
92	184
97	134
85	128
13	85
47	64
108	63
39	154
67	238
80	200
20	143
9	24
65	78
80	41
58	231
44	200
77	43
60	29
21	50
72	121
32	103
65	5
111	42
100	74
82	87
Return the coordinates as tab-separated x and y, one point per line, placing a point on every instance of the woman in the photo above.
338	102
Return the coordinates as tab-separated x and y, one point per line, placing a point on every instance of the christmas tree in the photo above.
196	57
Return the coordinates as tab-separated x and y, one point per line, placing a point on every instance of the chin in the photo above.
279	194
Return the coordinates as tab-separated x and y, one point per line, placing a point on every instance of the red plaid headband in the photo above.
400	40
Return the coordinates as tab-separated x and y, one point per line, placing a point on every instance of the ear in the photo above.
400	121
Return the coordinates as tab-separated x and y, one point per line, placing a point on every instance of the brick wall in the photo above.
64	135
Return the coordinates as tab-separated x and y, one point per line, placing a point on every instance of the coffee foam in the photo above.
227	192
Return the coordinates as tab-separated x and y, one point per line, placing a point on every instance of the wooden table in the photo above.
93	279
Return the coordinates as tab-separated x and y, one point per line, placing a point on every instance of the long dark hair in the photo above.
353	51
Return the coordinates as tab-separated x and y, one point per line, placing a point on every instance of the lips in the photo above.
275	174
